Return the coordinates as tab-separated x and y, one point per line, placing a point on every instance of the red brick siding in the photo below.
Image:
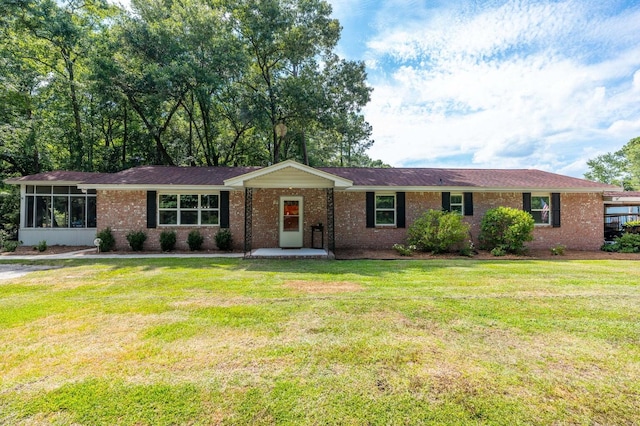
266	210
581	225
126	211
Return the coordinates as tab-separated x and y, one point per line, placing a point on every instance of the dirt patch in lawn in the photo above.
323	287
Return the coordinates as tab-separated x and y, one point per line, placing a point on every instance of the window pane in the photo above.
30	189
77	212
188	201
43	189
60	212
74	190
209	201
540	216
168	201
385	218
60	189
209	217
29	212
43	212
168	217
385	201
456	199
189	218
457	209
539	203
291	223
291	208
91	212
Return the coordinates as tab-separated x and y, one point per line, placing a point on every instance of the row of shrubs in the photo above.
502	230
168	239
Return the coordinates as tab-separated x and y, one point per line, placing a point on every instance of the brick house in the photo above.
291	205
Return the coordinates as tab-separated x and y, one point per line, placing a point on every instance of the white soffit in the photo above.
288	174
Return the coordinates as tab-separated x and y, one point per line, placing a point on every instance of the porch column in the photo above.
331	237
248	218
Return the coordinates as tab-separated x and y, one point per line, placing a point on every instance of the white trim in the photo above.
241	181
474	189
155	187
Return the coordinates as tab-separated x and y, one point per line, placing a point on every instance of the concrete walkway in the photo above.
91	254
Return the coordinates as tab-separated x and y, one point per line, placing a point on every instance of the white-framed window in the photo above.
189	209
385	209
59	206
456	203
541	209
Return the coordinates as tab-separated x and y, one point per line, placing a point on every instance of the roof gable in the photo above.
288	174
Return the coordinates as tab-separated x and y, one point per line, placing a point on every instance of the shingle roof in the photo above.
361	177
56	176
475	178
169	175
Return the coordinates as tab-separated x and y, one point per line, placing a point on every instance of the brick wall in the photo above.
582	218
581	225
126	211
266	211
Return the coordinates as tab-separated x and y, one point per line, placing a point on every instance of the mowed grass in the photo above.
224	341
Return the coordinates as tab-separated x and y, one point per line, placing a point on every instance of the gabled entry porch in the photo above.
285	207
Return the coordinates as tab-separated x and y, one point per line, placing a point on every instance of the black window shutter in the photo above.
371	210
468	203
555	209
400	210
224	209
446	201
151	209
526	201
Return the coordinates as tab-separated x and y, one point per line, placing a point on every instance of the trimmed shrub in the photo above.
404	251
107	241
506	228
42	246
224	240
627	243
439	232
195	240
558	250
136	240
167	240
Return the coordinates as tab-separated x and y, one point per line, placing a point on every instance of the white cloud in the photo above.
525	84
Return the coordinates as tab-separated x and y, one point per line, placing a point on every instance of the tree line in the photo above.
620	168
86	85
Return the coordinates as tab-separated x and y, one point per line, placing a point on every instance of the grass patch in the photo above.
227	341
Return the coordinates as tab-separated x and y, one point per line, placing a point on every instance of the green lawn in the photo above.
227	341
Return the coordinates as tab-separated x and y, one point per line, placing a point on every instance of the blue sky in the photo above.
497	84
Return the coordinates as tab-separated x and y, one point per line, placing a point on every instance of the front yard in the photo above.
227	341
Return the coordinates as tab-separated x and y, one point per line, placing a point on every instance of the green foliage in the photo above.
438	232
620	168
6	243
404	250
627	243
136	240
224	240
167	240
506	228
195	240
107	240
558	250
632	227
498	251
41	246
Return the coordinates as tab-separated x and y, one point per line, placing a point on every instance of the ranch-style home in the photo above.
290	205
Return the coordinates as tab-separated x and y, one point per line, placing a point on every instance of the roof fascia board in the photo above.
155	187
361	188
44	182
239	181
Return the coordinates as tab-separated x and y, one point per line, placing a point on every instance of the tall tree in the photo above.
618	168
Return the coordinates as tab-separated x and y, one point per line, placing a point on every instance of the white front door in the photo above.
291	222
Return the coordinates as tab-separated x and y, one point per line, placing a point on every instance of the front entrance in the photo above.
291	220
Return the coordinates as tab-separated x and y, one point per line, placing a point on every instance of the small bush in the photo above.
404	251
167	240
10	245
41	246
627	243
136	240
506	228
195	240
498	251
558	250
107	241
224	240
438	232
